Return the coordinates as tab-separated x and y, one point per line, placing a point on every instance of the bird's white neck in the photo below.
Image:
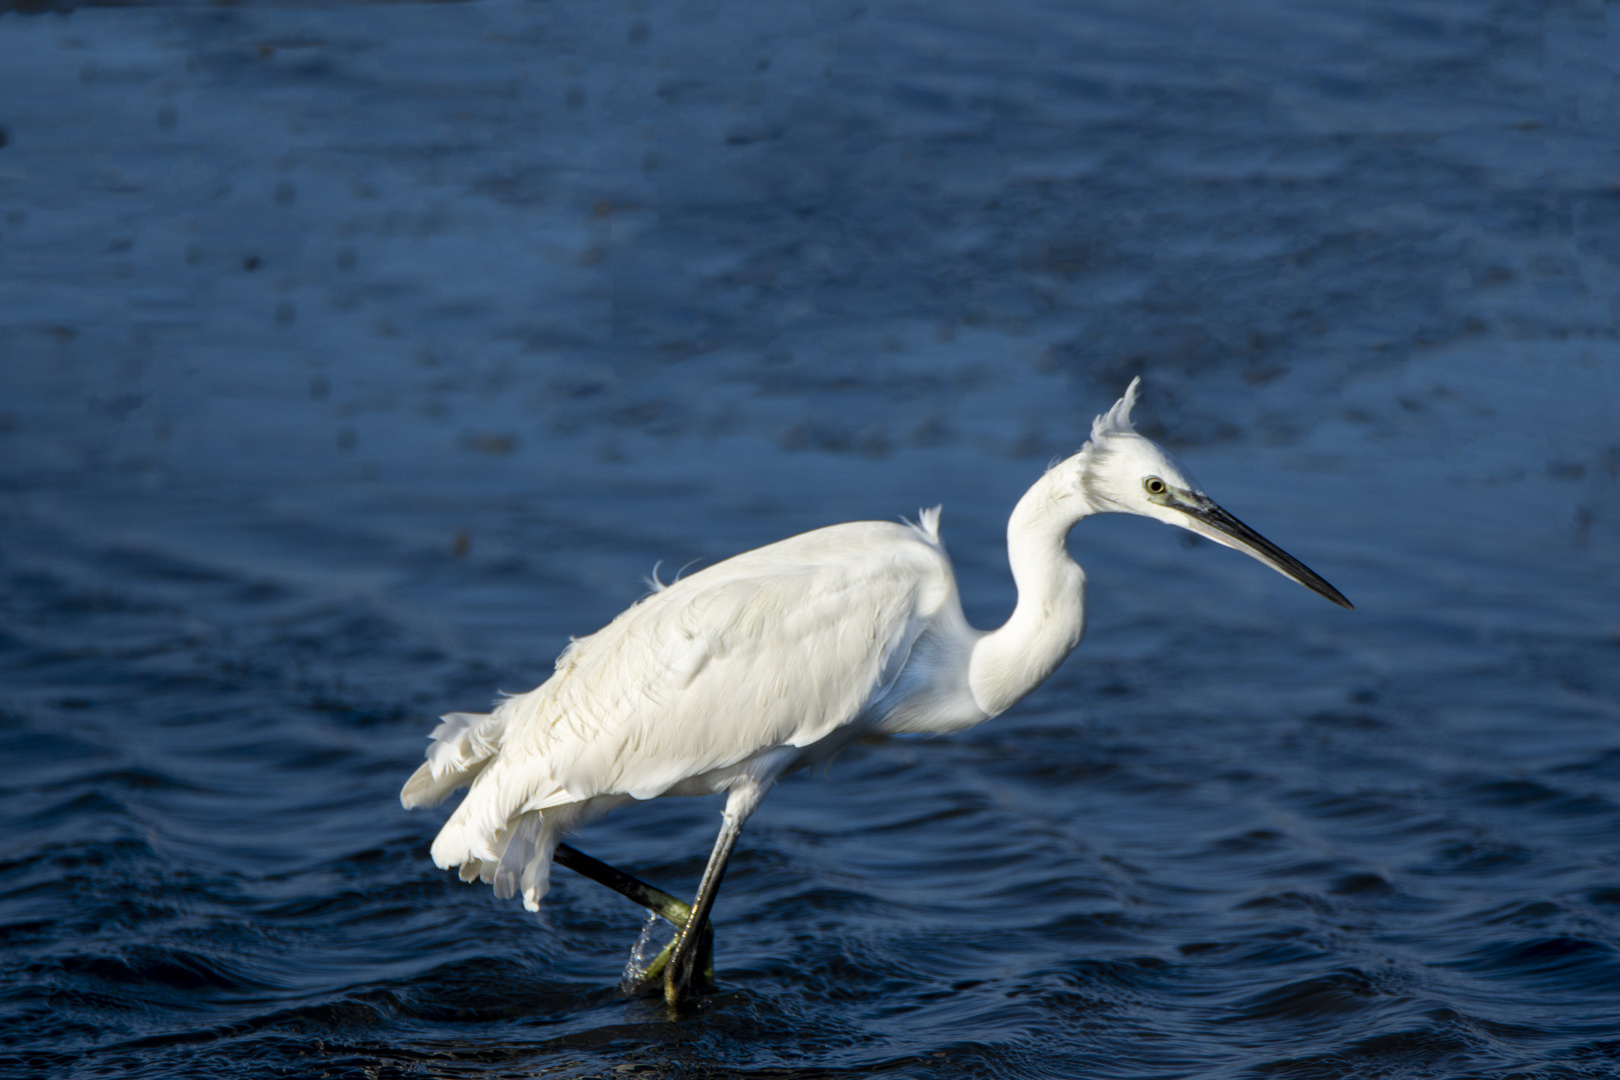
1051	614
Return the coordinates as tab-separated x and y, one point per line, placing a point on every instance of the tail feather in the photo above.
526	863
491	837
462	745
527	846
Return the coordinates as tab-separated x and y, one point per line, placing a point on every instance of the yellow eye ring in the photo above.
1155	486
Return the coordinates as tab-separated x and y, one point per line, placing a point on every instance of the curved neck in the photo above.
1051	614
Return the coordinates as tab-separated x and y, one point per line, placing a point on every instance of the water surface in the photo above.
352	358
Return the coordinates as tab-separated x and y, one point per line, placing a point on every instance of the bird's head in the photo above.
1120	471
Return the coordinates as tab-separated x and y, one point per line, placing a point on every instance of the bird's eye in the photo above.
1155	486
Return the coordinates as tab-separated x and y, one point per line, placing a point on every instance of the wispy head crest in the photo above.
1117	421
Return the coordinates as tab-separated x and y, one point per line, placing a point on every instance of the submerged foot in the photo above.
689	970
697	969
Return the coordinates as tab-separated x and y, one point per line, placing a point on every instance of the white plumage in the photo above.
691	688
777	658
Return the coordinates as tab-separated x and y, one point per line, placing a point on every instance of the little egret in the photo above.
774	660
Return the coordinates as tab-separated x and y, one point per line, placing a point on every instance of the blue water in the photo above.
353	357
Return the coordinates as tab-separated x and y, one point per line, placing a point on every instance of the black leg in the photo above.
697	936
631	888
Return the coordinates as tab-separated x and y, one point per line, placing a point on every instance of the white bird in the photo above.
779	657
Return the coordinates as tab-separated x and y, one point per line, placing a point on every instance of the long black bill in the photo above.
1211	521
